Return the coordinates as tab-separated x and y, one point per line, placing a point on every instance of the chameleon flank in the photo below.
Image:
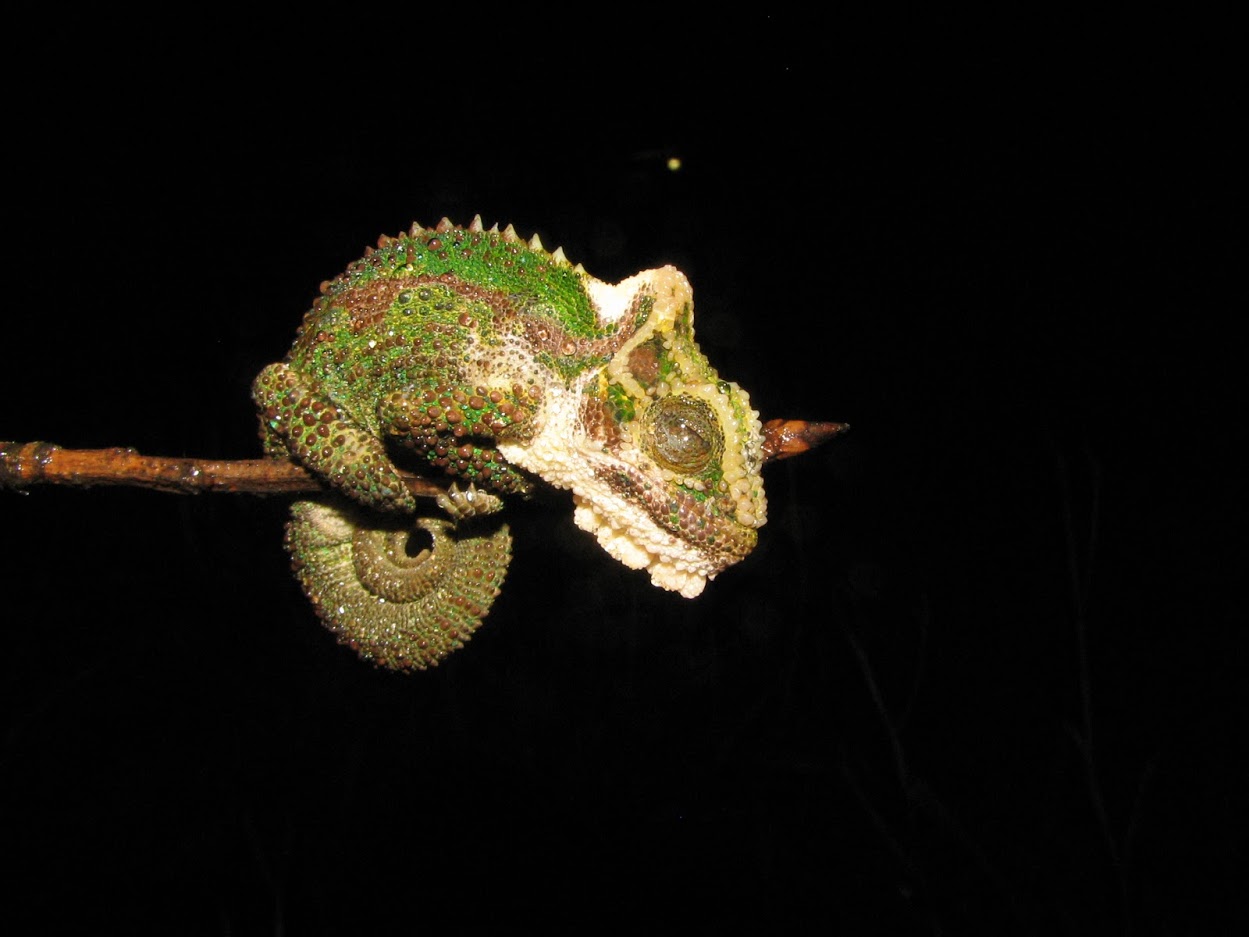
475	354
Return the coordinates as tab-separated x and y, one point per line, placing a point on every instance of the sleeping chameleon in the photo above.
474	353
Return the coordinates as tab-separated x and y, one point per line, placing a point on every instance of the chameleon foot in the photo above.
463	503
398	605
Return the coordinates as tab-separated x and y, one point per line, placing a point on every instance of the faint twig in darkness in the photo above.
21	720
882	711
920	656
1080	570
896	848
895	845
918	794
1129	836
272	876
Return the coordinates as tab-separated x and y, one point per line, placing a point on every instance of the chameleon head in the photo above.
661	455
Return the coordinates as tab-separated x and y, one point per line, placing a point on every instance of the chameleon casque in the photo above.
483	356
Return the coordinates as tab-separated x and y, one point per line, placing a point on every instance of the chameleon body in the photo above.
476	354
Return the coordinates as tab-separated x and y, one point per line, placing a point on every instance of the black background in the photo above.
981	674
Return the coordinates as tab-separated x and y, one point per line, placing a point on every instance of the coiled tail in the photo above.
401	592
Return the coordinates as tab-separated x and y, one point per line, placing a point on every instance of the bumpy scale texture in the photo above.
473	353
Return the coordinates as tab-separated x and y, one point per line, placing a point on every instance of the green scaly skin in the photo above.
497	363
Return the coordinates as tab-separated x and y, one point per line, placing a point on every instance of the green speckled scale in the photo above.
471	353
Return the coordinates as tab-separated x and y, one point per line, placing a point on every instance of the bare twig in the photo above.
34	463
42	463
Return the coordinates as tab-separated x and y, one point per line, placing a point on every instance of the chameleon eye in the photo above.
683	434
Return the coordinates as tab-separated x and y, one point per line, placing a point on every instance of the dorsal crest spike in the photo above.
559	258
535	243
416	230
384	240
444	226
475	224
509	234
494	228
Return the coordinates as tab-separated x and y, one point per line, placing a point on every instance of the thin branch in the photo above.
36	463
23	464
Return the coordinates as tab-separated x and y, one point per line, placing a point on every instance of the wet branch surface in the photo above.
35	463
23	464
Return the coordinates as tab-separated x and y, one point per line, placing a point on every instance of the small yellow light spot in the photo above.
674	163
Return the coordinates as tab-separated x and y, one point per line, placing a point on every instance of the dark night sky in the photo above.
1005	269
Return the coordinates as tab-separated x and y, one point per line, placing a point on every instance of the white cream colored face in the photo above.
662	456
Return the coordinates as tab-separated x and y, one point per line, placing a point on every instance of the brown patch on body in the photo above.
599	421
644	363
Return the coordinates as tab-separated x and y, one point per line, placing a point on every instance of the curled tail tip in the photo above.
402	593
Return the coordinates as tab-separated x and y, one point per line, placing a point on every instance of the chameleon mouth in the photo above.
683	538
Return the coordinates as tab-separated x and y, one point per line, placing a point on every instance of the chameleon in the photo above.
475	354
